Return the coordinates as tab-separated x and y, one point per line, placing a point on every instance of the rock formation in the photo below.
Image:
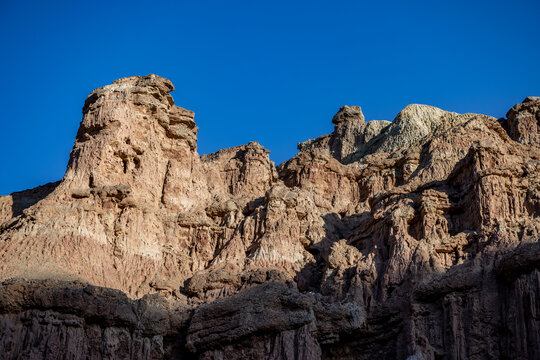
411	239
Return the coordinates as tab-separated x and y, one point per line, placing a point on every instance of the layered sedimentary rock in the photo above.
411	239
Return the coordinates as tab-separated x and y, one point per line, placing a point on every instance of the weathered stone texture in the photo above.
411	239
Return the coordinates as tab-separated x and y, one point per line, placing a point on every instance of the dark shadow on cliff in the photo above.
336	227
24	199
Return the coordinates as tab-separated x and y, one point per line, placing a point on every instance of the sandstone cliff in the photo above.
411	239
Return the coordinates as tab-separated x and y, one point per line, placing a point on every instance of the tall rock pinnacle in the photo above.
133	136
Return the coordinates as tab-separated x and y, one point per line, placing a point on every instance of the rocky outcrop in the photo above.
411	239
524	121
137	200
58	319
286	324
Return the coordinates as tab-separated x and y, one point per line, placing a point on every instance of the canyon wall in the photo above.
411	239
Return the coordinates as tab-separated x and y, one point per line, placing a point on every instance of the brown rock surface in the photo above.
411	239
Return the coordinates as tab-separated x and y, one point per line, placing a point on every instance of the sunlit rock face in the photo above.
411	239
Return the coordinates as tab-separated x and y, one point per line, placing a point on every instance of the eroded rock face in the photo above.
524	121
411	239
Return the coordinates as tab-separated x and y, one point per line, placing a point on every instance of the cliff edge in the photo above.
411	239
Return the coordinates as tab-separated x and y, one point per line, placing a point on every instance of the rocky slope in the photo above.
411	239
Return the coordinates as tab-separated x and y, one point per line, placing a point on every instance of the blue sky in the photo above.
270	71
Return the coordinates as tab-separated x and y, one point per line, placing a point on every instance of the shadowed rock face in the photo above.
411	239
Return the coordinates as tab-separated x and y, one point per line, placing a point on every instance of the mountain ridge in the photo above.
368	242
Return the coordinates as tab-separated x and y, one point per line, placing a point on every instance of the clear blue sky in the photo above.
270	71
